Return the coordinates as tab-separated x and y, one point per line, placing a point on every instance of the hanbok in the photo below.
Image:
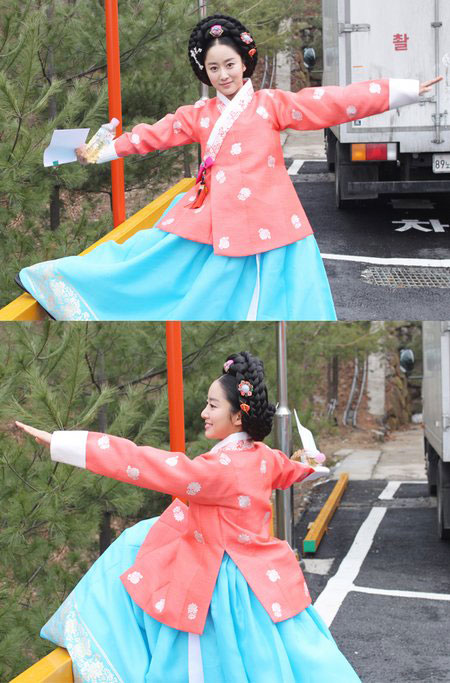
245	249
202	594
157	275
112	640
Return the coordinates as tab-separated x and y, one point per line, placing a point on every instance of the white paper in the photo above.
63	144
306	436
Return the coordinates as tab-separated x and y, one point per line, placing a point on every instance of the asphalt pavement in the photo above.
381	576
385	259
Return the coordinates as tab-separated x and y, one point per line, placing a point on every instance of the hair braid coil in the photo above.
257	422
200	40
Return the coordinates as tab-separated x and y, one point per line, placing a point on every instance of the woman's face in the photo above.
225	69
220	422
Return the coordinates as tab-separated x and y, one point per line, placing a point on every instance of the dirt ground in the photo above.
351	438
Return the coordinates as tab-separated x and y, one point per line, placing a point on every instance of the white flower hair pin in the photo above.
194	54
245	388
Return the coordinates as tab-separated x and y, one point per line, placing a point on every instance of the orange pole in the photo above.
175	386
115	106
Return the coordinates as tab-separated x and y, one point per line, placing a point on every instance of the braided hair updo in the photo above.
244	367
234	34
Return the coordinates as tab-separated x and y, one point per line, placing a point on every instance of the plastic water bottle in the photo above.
312	458
103	137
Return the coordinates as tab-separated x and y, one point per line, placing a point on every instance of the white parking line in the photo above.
295	166
315	566
389	490
402	594
424	263
331	598
333	595
392	487
298	163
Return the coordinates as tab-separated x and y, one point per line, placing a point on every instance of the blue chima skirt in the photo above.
111	640
156	275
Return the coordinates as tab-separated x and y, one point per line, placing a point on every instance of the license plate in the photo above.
441	163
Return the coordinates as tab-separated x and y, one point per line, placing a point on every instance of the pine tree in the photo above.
56	519
53	75
26	93
52	514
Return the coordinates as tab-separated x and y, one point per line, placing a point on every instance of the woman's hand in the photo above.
308	457
427	86
81	154
298	455
39	435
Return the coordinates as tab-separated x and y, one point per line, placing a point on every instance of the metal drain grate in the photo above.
399	277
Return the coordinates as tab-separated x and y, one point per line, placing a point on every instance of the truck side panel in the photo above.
445	365
402	39
436	386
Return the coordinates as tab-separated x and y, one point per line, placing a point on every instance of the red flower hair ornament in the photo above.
246	38
245	388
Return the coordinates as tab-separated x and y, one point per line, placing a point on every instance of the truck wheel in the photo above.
443	500
338	175
330	149
431	461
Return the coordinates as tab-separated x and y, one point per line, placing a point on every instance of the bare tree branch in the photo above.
44	73
19	475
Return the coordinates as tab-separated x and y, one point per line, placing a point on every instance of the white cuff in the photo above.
69	447
403	91
108	153
319	471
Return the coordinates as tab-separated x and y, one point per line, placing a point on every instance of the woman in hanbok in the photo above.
239	245
204	593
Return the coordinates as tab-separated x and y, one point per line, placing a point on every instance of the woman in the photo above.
202	594
239	246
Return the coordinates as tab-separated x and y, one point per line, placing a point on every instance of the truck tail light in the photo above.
384	151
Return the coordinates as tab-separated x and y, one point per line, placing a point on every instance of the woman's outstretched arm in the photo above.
323	107
171	131
204	479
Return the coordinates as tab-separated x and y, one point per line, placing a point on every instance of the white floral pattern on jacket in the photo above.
229	491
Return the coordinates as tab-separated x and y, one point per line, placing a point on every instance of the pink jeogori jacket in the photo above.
252	206
229	492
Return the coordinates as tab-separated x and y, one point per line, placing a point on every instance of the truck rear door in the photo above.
400	39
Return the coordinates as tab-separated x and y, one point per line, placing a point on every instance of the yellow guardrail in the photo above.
319	526
54	668
27	308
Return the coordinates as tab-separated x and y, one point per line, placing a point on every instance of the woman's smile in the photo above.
217	414
222	61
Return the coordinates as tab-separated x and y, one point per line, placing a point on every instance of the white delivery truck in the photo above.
436	416
401	151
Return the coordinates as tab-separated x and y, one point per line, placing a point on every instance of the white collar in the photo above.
230	439
220	96
226	100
